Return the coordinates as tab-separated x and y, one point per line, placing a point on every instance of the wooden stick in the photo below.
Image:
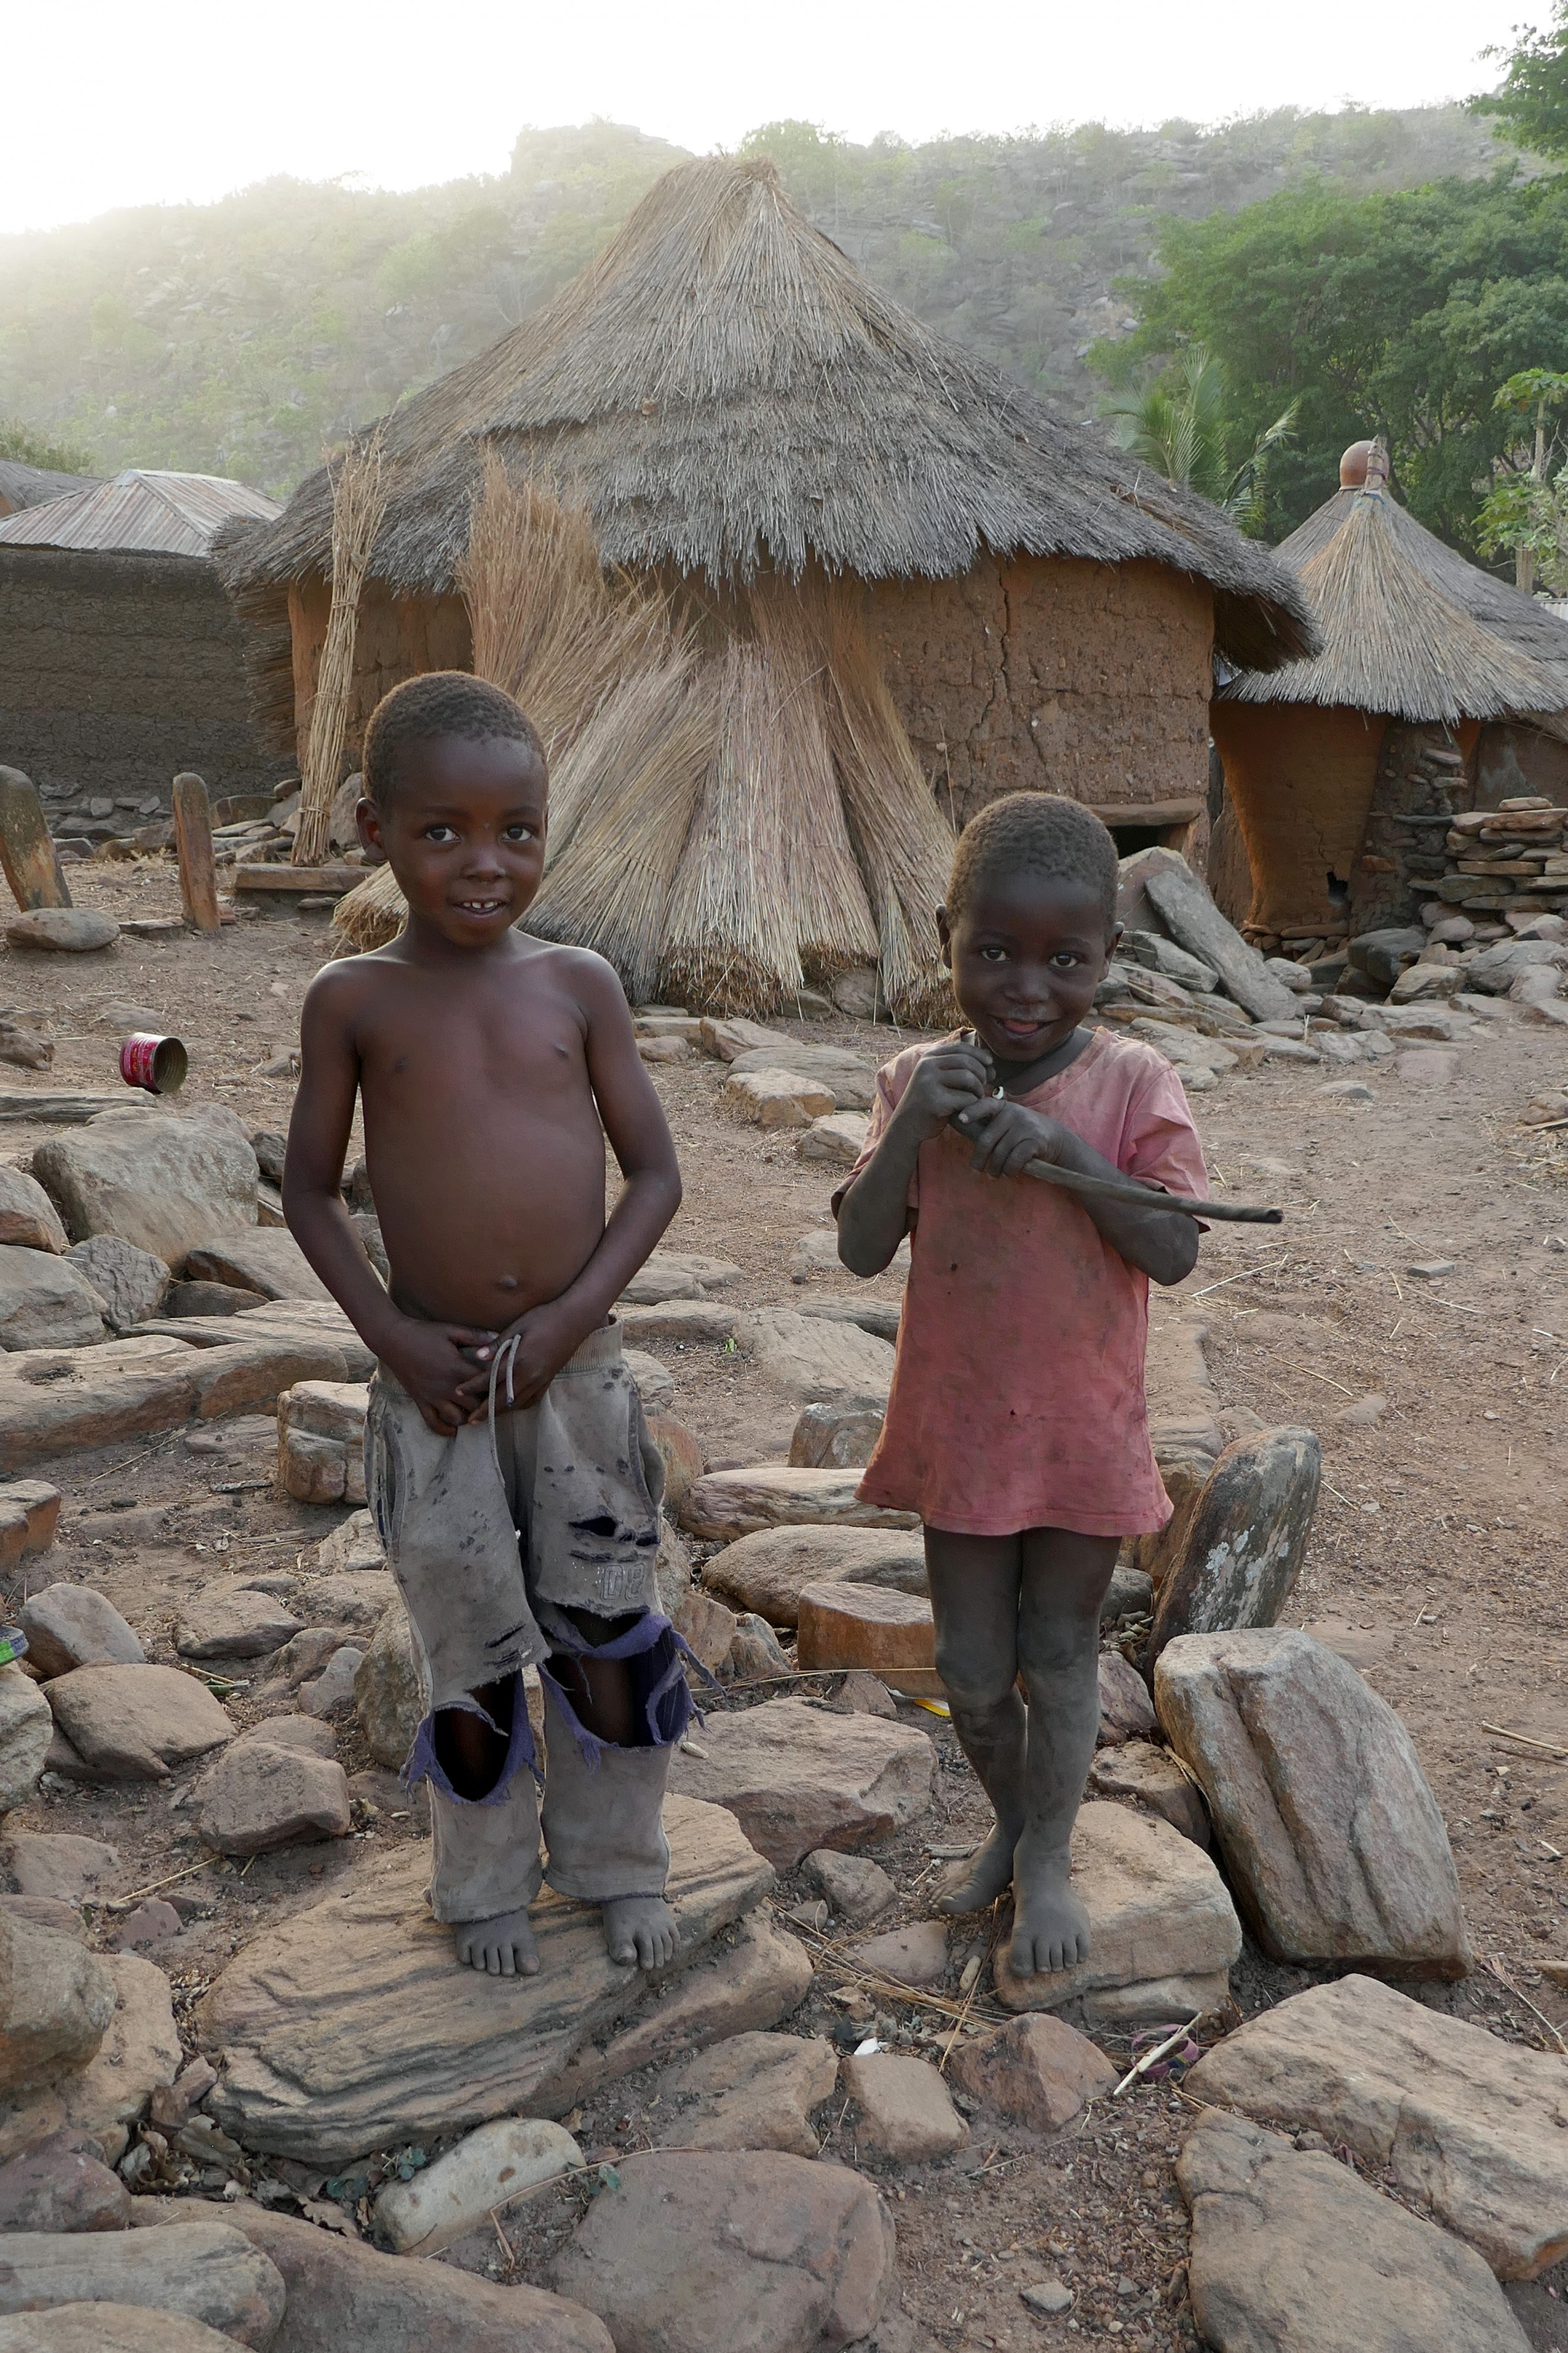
1127	1190
194	848
1503	1733
31	862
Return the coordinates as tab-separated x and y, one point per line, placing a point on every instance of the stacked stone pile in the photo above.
1510	860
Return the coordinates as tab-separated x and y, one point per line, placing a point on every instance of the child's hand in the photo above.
546	1339
1008	1136
435	1363
952	1079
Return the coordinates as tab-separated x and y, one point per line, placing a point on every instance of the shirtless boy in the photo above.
511	1476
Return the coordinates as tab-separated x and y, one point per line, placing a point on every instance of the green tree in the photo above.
26	447
1522	514
1533	104
1394	314
1180	422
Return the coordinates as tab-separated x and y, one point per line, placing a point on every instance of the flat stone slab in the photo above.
1463	2123
108	2329
892	1634
730	1503
812	1361
353	2026
229	1622
797	1777
202	2270
266	1259
1166	1931
54	1401
71	1626
163	1180
1335	1844
768	1570
1291	2253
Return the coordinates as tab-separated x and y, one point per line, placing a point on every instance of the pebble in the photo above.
1047	2296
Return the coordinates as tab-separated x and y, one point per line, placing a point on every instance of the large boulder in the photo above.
108	2328
1460	2122
71	1626
132	1283
29	1218
768	1570
344	2296
352	2026
1291	2253
46	1302
809	1360
134	1724
166	1182
266	1259
202	2270
26	1728
1166	1931
140	2051
797	1777
704	2254
1333	1840
55	2000
1245	1540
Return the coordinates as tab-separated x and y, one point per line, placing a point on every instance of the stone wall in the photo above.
1055	675
117	670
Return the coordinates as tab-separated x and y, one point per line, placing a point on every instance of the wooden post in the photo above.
193	847
32	866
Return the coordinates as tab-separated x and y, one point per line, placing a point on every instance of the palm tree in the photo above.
1180	423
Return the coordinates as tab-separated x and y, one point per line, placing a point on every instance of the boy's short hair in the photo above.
1034	833
439	702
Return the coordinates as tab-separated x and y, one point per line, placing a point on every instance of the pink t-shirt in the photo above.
1018	1399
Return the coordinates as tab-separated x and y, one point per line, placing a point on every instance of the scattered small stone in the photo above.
29	1218
1047	2296
132	1283
152	1923
64	930
55	2000
480	2177
812	1361
839	1137
26	1731
333	1691
1034	2070
1137	1770
1432	1268
768	1570
915	1955
777	1097
1365	1413
129	1722
906	2109
1126	1711
797	1777
888	1633
1249	1534
730	1504
59	1865
259	1796
861	1694
163	1180
225	1622
71	1626
756	1653
389	1692
752	2090
857	1888
201	2270
835	1436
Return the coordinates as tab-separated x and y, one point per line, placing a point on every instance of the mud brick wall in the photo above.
1052	674
397	638
117	670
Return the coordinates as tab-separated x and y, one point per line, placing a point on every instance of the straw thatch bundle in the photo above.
1409	628
359	502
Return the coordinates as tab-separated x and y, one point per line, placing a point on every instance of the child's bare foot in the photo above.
501	1947
640	1928
1050	1926
974	1883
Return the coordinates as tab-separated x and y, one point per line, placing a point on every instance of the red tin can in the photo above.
158	1064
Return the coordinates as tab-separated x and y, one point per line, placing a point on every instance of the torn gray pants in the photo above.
491	1541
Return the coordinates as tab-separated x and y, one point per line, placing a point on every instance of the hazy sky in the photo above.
135	103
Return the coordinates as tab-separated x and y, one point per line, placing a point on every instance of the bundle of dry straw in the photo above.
359	502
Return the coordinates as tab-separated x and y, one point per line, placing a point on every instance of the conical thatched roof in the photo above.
1409	628
726	395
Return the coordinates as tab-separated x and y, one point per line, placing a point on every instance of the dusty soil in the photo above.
1435	1563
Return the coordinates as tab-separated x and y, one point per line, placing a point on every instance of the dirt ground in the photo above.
1435	1563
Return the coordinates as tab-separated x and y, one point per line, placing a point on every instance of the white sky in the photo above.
116	102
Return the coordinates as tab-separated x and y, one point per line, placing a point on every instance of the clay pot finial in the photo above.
1353	465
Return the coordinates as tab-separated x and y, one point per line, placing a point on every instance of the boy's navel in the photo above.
508	1281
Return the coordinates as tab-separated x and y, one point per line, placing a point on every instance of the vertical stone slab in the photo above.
194	848
1245	1546
32	866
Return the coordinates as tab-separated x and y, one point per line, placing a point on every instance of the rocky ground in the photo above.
1410	1310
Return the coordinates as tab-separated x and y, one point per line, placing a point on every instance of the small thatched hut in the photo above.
1439	688
742	415
120	660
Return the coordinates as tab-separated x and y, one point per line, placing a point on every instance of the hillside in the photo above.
238	337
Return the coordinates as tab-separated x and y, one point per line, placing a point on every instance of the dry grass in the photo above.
359	502
369	915
904	843
547	625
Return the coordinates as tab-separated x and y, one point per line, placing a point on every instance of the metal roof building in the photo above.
139	512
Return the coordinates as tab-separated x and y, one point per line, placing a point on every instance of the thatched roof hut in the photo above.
1412	636
121	662
735	405
29	486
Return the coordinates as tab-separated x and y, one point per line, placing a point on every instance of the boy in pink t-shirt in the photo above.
1017	1427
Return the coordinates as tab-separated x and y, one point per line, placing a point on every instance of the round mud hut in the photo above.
1439	688
121	662
871	586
